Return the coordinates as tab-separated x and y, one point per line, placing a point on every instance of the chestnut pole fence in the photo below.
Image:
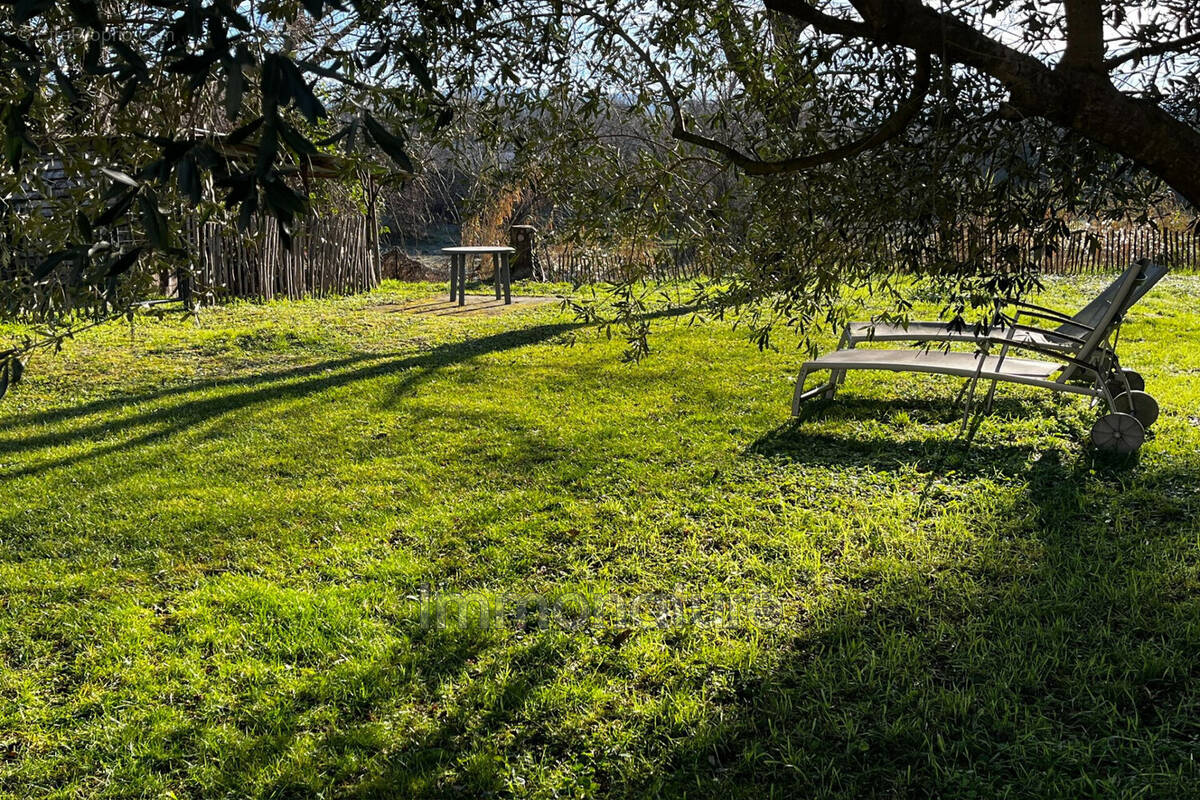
1079	253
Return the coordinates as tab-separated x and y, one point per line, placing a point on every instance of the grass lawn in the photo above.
327	549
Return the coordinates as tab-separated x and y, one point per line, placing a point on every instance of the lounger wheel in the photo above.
1118	433
1135	380
1140	404
1127	379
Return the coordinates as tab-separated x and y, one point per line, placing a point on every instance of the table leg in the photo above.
453	275
496	260
506	277
462	280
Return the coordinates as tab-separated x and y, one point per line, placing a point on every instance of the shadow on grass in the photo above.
239	393
1052	656
799	440
429	763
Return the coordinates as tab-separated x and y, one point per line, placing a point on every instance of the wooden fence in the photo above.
1081	252
1088	251
329	255
580	264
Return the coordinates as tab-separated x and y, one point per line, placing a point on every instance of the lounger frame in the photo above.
1092	356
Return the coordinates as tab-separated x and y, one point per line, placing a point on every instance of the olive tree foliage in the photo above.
809	147
125	121
799	147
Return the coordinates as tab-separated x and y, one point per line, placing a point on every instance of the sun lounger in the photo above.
1080	360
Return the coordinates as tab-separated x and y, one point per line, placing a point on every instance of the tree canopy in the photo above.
802	146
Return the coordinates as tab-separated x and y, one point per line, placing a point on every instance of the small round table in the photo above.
458	270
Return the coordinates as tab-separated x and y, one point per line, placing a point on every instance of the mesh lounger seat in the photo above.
937	362
940	332
1064	336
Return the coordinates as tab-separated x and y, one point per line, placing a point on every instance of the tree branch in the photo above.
823	22
888	129
1151	50
1085	35
732	35
1084	100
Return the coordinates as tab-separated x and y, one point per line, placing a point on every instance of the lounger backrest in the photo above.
1090	314
1093	313
1122	299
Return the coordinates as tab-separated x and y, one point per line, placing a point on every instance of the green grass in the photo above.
230	555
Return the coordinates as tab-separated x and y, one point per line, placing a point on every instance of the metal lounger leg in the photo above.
838	376
800	395
969	391
991	395
1104	394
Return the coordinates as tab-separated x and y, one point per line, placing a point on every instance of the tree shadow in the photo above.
1053	661
429	666
1058	661
1053	655
238	394
121	400
802	440
241	392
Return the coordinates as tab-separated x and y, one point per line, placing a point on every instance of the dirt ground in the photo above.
441	305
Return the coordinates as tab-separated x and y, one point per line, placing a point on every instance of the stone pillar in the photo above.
520	238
